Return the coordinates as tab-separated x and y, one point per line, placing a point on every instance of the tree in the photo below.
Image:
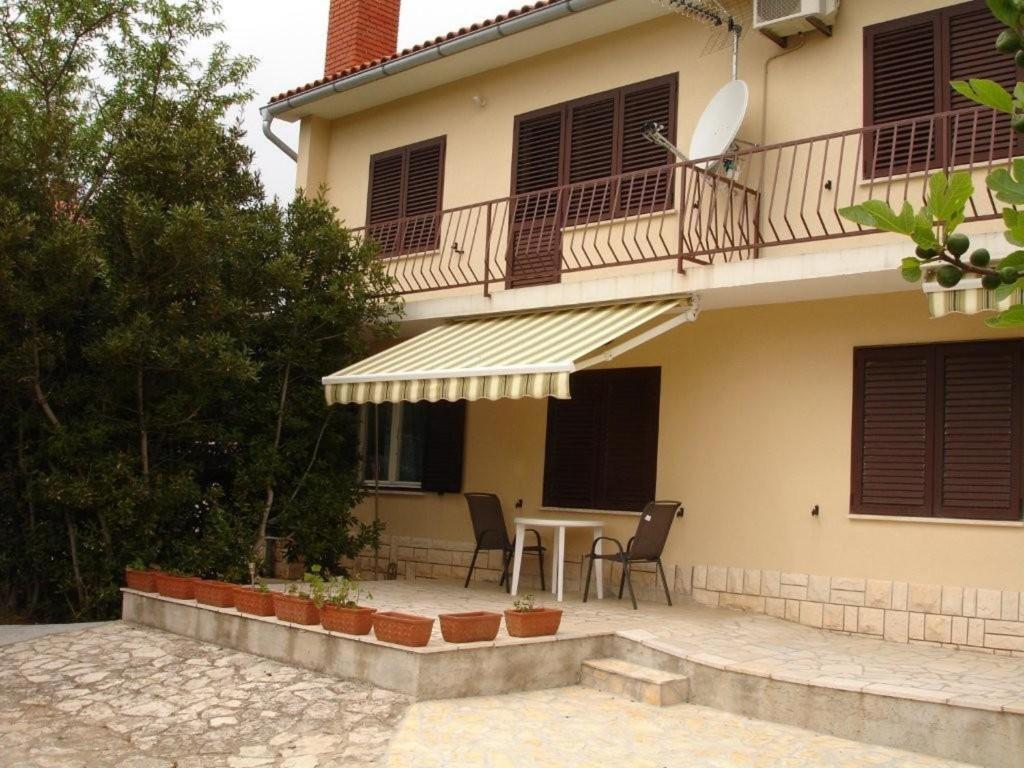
163	328
933	227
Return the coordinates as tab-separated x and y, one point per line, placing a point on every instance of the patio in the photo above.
949	703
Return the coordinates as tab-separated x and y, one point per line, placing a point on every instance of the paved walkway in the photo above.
126	697
756	644
19	633
582	728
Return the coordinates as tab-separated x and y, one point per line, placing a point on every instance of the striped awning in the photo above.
507	356
968	298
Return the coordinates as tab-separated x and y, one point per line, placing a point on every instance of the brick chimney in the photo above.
359	31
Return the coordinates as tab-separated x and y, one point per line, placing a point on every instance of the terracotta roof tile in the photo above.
418	47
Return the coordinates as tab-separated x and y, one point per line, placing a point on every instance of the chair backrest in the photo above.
488	521
652	530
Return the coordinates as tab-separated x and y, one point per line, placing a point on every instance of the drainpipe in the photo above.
519	23
268	131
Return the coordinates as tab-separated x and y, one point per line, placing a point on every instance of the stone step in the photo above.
643	684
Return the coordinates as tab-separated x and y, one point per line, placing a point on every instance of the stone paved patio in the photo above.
120	696
755	644
586	729
128	697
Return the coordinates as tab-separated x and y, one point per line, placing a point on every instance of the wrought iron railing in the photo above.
724	208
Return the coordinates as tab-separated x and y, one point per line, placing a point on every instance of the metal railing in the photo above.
723	208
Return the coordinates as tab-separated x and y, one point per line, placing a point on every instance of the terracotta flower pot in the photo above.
143	581
402	628
295	610
216	593
470	627
539	621
254	602
177	587
349	621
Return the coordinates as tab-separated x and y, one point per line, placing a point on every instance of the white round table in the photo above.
558	551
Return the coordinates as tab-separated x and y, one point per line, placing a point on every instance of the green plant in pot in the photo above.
340	610
527	619
295	605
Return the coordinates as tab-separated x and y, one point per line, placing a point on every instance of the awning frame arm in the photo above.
687	315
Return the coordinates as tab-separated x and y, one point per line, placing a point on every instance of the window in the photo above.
418	445
937	431
404	200
602	445
908	64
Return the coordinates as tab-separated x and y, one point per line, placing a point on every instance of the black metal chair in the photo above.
490	534
645	546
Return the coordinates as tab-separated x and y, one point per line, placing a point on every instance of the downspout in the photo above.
268	131
434	52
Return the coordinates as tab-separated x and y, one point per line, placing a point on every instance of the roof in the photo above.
409	51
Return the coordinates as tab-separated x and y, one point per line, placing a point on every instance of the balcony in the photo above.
742	205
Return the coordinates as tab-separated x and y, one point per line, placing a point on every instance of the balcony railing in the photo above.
725	208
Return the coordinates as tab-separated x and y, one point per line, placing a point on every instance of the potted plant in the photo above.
526	619
176	584
340	610
255	600
215	592
469	627
402	628
137	576
296	605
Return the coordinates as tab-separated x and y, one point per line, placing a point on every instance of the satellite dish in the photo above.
720	122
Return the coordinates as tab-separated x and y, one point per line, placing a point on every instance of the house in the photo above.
591	323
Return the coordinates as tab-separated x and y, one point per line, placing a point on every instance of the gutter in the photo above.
482	36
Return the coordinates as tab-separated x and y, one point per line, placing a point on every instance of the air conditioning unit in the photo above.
782	18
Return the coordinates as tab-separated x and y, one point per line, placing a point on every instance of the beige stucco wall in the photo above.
755	430
815	87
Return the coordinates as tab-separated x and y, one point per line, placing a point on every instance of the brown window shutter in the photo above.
642	104
601	448
423	197
893	432
626	479
535	251
971	31
979	452
574	437
591	156
902	81
384	209
443	446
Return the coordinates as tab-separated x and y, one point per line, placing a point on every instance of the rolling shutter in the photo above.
972	53
601	448
641	105
893	432
901	81
405	197
443	446
535	251
979	450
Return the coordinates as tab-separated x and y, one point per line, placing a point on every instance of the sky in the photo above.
288	39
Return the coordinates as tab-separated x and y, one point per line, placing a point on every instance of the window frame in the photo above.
404	152
394	451
936	353
565	146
